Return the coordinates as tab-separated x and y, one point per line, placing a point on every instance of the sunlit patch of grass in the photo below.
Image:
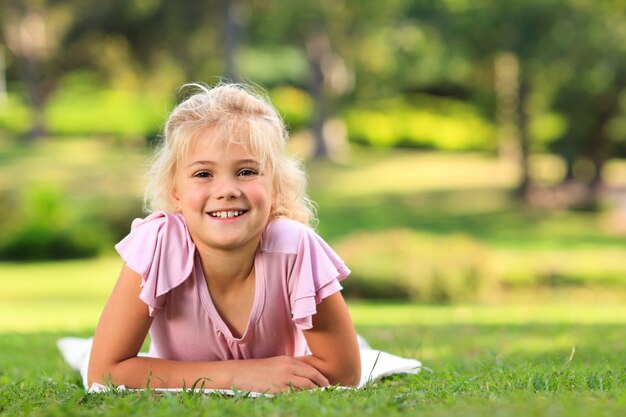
517	313
52	279
70	295
75	291
583	267
411	172
55	295
500	222
84	168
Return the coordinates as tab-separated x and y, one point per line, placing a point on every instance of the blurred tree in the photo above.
145	37
345	48
321	31
550	55
127	43
232	33
590	45
516	36
515	61
33	31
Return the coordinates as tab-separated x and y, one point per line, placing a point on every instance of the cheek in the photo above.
193	196
262	195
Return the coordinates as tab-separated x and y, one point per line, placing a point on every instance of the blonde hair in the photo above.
237	116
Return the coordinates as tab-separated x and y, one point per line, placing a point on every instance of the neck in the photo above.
223	268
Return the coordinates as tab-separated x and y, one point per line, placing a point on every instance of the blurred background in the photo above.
459	151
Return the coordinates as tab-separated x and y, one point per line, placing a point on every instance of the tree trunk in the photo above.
524	142
3	80
599	145
570	158
318	50
506	71
36	95
513	142
232	33
28	40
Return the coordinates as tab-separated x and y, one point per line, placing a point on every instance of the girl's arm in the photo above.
333	342
123	327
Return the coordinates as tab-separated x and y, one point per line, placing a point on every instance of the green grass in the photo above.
551	355
52	296
477	369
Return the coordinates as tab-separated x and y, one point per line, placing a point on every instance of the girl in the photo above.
233	286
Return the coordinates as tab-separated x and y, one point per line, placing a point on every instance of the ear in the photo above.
175	199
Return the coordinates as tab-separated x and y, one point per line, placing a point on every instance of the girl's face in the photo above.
224	195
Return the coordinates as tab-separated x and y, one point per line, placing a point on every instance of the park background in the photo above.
468	159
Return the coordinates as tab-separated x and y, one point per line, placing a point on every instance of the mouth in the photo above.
227	214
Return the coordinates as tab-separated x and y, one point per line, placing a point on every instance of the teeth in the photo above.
226	214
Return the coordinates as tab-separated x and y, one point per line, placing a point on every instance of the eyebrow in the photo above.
236	162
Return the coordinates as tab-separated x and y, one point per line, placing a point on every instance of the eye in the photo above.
247	172
202	174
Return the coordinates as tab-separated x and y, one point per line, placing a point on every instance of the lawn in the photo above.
551	342
557	355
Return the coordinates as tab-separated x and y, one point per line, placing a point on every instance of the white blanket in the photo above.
375	364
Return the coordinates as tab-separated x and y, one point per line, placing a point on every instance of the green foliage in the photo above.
423	267
294	105
43	226
273	66
115	215
427	123
15	115
545	129
68	197
80	109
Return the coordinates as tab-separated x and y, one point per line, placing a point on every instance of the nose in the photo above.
226	188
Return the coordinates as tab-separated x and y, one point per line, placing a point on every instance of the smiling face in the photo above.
223	193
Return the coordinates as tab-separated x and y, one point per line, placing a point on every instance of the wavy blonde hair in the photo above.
237	116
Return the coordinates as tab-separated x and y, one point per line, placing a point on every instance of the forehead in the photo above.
211	140
211	144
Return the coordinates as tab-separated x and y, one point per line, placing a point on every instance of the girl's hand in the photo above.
277	374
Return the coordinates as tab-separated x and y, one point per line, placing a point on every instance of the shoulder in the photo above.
160	250
159	219
285	236
159	225
159	234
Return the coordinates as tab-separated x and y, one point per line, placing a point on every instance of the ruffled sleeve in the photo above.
160	249
316	274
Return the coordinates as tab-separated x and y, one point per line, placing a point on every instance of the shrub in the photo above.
38	242
404	264
428	123
44	227
15	115
116	214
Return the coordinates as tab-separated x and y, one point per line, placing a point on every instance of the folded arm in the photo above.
333	343
123	327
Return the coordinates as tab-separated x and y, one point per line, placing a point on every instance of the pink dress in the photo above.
295	270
